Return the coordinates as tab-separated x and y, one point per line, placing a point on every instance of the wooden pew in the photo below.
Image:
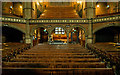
12	50
55	56
114	53
29	53
55	65
55	60
57	71
57	52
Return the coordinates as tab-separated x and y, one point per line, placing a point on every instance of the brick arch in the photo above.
106	25
14	27
79	27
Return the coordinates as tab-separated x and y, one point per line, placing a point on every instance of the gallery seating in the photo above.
59	12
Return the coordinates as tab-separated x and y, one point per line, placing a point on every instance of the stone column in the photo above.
71	37
94	38
116	7
31	39
27	11
119	6
3	5
49	37
119	37
90	13
78	36
41	40
90	32
67	37
27	35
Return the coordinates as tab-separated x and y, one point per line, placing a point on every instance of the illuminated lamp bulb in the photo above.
41	1
11	7
108	6
20	6
98	6
44	30
42	14
80	2
74	30
37	3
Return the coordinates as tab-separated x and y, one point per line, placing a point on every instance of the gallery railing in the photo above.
64	21
106	19
12	19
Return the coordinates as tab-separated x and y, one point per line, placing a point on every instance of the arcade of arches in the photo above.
76	35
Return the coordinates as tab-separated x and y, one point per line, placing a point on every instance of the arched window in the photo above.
59	30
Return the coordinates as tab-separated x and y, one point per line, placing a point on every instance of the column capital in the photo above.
67	33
